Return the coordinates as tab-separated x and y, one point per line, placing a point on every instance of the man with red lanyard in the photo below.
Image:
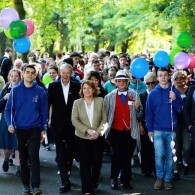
123	110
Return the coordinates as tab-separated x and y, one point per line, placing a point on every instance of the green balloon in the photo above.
18	29
7	33
172	54
184	40
46	79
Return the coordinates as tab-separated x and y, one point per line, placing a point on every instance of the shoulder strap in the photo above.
3	61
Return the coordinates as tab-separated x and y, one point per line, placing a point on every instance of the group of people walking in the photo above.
83	114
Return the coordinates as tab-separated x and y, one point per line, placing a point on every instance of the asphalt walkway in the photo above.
10	184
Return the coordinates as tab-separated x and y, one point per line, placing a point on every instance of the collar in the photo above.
67	85
122	92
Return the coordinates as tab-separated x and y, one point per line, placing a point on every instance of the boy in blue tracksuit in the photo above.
163	104
26	113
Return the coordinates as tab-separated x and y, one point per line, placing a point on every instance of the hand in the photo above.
11	129
49	123
43	133
93	134
172	95
6	96
141	129
136	104
151	134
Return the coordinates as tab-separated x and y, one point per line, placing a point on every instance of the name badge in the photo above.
130	103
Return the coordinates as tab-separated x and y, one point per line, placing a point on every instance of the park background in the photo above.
89	25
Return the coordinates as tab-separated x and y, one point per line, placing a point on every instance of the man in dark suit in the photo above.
61	95
189	114
6	63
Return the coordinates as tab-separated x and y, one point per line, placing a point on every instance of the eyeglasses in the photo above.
150	83
180	78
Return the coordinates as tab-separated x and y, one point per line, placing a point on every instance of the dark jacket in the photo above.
61	112
189	108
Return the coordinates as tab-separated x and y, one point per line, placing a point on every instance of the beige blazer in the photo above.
80	119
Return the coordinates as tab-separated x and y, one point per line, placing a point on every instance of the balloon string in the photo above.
171	101
137	90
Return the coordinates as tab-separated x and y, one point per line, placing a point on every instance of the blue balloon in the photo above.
22	45
161	59
139	67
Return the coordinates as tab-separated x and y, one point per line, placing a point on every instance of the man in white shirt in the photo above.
61	96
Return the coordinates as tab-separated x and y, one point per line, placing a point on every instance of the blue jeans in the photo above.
163	154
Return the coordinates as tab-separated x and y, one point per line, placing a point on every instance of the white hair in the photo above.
150	75
65	65
177	73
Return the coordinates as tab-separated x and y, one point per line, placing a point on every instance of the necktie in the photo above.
123	98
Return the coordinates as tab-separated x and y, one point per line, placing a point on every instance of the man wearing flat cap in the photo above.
123	110
42	61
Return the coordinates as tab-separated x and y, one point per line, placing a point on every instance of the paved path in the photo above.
11	184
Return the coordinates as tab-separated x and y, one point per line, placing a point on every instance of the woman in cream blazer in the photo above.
89	119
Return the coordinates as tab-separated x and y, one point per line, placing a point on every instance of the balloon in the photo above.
30	27
139	67
21	45
18	29
172	54
7	16
192	60
181	60
184	39
161	59
46	79
7	33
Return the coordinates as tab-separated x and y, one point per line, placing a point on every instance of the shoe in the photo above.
185	169
26	190
37	191
18	173
168	185
5	166
127	186
158	184
65	188
114	184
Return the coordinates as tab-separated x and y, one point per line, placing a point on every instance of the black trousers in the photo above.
65	148
147	155
90	156
28	146
123	146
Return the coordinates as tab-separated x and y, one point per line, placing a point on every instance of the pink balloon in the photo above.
181	60
192	60
30	27
7	16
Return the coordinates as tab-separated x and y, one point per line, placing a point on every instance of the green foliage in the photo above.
141	24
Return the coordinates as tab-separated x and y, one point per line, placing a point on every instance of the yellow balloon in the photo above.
7	33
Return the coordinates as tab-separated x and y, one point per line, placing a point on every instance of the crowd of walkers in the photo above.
91	104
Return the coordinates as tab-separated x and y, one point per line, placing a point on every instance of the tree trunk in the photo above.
50	49
124	46
111	47
3	43
18	4
97	45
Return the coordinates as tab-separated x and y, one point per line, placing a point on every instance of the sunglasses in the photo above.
180	78
150	83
